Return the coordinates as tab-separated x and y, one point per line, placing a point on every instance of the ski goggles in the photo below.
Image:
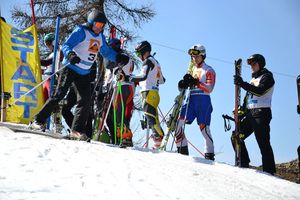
251	61
194	52
98	25
137	53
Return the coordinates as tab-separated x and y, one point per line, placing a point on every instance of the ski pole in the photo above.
119	92
40	83
164	116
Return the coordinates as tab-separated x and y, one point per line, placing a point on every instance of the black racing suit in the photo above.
257	120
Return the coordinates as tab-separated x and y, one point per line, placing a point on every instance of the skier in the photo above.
201	81
149	80
47	63
80	50
127	89
258	114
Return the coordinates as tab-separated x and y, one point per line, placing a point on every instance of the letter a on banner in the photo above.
21	72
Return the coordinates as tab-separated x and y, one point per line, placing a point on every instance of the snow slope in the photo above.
37	167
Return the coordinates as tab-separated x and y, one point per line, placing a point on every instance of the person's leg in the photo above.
185	117
151	101
83	91
262	135
203	110
245	131
71	100
64	82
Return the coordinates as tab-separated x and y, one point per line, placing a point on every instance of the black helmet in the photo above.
115	44
257	58
96	16
143	47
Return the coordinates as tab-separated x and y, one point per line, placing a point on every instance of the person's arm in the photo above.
209	84
266	83
148	65
106	51
77	36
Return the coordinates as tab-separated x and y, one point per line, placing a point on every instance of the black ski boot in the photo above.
184	150
126	143
209	156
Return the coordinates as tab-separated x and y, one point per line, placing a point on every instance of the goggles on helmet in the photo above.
98	25
194	52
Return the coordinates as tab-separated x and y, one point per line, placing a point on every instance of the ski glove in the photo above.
122	59
120	75
190	80
182	85
238	80
73	58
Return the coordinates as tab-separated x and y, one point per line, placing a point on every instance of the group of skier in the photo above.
87	44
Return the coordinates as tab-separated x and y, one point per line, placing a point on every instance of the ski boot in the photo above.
184	150
75	135
35	125
157	139
209	156
126	137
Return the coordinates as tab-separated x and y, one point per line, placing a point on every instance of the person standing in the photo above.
201	80
47	63
149	80
258	111
124	96
80	51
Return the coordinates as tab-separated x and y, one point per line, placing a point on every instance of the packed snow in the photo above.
38	167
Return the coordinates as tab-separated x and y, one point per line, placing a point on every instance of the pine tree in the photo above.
125	17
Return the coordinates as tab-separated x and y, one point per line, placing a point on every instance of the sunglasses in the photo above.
194	52
98	25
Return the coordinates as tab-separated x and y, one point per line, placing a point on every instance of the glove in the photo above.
238	80
190	80
122	59
120	75
73	58
182	85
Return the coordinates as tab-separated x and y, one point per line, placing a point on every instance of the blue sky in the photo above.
229	30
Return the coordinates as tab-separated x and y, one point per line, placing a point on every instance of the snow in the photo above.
38	167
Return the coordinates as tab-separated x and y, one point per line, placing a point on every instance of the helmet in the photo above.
143	47
115	44
257	58
96	16
49	37
197	49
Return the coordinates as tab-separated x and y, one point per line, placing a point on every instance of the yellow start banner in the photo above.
20	72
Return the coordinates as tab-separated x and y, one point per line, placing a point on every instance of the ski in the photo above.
173	117
236	135
24	128
298	88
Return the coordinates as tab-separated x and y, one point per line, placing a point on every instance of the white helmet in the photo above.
197	49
